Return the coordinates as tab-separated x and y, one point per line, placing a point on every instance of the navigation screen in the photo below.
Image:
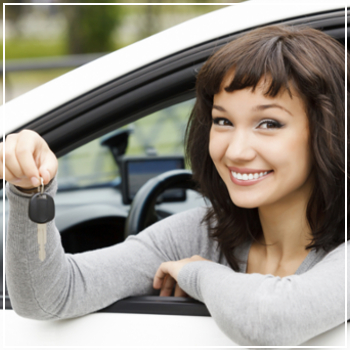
140	171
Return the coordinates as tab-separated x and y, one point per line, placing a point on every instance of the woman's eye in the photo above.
222	121
269	124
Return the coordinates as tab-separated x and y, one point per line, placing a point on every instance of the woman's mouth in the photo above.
248	178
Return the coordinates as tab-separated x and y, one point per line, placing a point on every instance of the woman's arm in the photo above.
255	309
66	285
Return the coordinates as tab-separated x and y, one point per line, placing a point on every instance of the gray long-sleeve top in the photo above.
252	309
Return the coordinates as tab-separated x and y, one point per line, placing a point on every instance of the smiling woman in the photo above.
261	152
268	138
272	105
266	145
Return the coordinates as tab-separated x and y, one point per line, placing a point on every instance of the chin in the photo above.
245	203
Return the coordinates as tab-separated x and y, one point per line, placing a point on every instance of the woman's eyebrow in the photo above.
272	105
219	108
257	108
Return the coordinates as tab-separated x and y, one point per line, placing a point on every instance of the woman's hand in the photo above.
27	157
167	274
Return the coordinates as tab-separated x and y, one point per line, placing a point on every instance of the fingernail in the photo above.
35	181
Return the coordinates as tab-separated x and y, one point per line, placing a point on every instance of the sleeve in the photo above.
67	285
256	309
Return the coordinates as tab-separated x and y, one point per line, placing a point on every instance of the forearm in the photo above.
65	285
25	273
255	309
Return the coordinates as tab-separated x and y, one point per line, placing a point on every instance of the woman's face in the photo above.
260	146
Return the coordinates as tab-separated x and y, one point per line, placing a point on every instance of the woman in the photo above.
266	145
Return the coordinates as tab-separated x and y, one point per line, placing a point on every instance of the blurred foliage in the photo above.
32	48
44	30
90	28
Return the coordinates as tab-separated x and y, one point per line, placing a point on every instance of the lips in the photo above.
246	176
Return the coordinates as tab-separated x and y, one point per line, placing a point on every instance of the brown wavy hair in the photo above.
313	64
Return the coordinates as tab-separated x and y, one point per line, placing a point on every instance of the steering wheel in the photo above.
142	212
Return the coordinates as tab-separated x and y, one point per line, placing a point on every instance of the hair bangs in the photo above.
268	69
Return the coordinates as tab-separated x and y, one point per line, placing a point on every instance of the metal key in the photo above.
42	241
41	211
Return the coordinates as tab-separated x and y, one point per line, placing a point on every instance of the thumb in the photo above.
46	174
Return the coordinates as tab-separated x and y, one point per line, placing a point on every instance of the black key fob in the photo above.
41	208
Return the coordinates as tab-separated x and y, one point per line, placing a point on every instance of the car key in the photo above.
41	211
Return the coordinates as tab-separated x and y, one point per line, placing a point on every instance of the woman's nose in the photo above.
240	148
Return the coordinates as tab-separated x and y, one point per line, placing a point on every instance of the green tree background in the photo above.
90	27
44	31
93	28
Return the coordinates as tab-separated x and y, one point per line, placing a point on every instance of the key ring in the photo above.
41	186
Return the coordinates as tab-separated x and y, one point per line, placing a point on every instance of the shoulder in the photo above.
338	252
335	259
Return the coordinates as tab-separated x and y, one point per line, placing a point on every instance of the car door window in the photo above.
160	133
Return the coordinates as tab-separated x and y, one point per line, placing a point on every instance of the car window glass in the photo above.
160	133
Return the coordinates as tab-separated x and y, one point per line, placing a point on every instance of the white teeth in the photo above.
245	177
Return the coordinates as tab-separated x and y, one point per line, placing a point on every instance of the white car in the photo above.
92	113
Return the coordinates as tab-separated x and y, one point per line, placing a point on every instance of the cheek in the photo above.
294	156
303	158
216	146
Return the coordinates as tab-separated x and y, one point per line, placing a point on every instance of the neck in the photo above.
286	230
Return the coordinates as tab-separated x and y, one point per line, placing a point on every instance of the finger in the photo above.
13	154
49	170
179	292
11	161
29	146
159	276
28	166
9	177
48	163
167	287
